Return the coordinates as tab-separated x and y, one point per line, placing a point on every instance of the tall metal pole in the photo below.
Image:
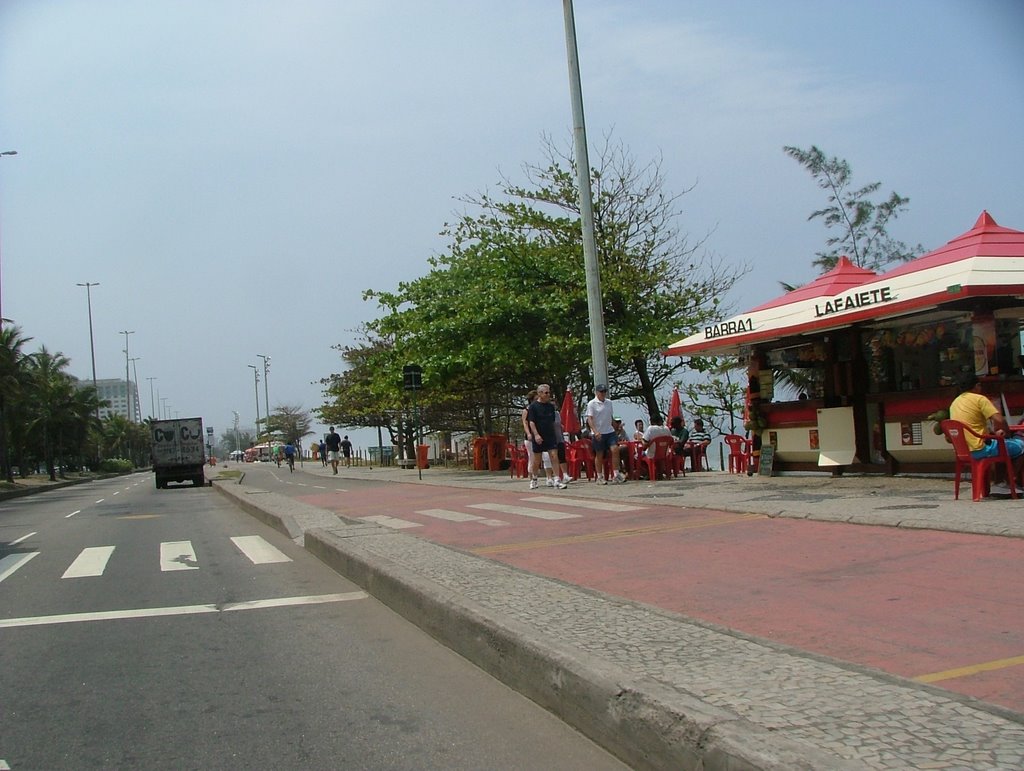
163	404
127	375
266	395
598	350
135	371
5	152
92	347
152	401
256	384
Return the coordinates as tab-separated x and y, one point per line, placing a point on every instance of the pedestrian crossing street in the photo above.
173	556
537	510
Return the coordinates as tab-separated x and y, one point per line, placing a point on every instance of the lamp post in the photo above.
256	385
127	374
152	401
92	348
135	372
5	152
163	405
591	269
266	395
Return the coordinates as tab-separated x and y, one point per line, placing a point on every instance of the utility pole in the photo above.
5	152
127	375
256	384
266	394
595	308
135	371
92	347
152	401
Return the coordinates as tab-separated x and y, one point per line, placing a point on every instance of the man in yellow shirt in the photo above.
975	410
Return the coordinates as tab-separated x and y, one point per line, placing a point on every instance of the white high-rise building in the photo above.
123	398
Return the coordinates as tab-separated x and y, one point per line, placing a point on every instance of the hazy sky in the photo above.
235	174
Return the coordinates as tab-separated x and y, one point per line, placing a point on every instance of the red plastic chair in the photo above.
518	461
660	458
956	434
579	457
739	453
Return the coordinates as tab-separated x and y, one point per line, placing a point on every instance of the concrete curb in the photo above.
8	494
643	723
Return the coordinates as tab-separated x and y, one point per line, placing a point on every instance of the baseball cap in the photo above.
601	387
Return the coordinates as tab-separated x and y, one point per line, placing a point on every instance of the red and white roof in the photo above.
986	261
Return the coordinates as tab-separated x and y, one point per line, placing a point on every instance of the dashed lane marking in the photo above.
609	535
460	516
524	511
181	610
16	541
584	503
69	516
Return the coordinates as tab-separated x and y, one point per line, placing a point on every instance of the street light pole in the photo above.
152	401
135	371
163	405
266	383
127	375
92	347
256	385
592	271
5	152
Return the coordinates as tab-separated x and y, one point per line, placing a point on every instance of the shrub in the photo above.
109	465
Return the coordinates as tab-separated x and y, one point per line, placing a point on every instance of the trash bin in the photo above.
497	448
421	455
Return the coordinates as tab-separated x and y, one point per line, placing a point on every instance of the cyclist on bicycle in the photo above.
289	455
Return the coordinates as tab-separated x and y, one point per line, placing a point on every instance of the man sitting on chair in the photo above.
975	410
699	441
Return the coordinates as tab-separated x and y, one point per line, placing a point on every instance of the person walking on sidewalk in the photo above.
333	447
346	450
599	419
541	422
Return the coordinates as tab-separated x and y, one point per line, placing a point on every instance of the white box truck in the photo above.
178	453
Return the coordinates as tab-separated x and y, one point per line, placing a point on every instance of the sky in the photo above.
234	174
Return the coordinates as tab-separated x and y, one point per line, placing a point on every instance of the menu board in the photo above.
766	466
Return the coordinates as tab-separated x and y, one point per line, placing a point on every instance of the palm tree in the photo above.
12	381
52	393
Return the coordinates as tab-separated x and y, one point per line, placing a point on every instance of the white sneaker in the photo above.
999	488
561	484
602	481
533	484
566	480
550	482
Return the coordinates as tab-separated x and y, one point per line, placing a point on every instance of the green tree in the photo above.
861	223
506	306
49	415
720	396
290	423
13	379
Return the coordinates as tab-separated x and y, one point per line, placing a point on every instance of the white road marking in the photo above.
12	562
258	550
524	511
69	516
320	487
16	541
177	555
392	522
4	766
91	562
101	500
117	492
584	503
460	516
181	610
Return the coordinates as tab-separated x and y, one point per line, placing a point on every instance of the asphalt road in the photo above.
937	606
167	629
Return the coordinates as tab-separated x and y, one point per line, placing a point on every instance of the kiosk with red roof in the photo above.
886	350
